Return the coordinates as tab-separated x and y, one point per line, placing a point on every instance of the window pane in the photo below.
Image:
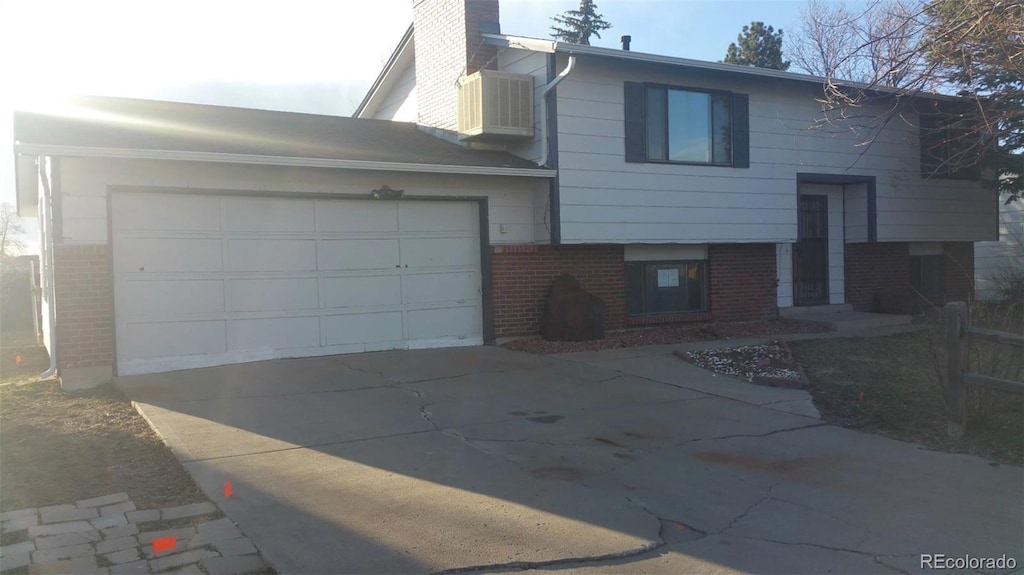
695	287
656	124
664	288
689	126
721	137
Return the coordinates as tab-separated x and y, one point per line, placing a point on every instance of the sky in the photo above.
314	56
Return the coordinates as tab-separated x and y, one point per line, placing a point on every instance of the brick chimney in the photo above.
449	45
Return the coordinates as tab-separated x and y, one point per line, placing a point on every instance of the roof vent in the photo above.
625	42
495	104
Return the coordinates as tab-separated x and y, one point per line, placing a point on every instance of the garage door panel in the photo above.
440	252
169	339
438	217
215	280
363	328
441	323
269	215
268	255
356	216
442	287
170	297
153	212
362	291
274	294
275	333
355	255
167	255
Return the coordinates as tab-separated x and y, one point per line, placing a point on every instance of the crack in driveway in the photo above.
876	558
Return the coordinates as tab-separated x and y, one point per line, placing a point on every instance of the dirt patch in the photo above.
768	364
887	385
663	335
58	447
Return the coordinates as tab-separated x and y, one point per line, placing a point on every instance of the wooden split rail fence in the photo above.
958	333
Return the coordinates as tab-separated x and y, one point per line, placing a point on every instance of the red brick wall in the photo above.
878	274
959	270
478	54
85	327
742	278
522	275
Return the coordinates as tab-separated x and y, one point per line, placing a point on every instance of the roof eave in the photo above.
290	161
551	46
403	45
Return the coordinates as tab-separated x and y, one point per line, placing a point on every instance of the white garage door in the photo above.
209	280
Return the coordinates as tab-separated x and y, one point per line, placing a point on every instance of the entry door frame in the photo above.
483	213
800	274
841	179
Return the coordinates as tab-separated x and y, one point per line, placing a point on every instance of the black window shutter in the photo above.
740	131
635	132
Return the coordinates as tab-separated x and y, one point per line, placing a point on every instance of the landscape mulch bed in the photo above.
769	364
681	333
58	447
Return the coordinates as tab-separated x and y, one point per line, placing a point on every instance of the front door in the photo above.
810	262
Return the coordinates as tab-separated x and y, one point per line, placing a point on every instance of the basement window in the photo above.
664	287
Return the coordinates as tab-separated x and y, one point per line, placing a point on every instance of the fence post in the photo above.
956	361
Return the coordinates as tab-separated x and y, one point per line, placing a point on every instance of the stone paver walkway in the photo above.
109	535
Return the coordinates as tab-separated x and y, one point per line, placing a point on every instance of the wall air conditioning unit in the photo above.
495	105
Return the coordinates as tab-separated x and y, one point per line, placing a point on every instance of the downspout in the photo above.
544	108
47	218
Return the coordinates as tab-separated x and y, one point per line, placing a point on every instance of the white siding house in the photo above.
993	260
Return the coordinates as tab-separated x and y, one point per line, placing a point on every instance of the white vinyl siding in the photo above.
784	267
511	201
991	259
855	210
204	280
605	199
399	104
533	64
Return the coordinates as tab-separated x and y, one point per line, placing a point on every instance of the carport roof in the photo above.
122	126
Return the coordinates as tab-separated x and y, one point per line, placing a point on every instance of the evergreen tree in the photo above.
759	46
577	26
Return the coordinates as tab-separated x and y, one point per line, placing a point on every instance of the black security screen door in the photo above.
810	262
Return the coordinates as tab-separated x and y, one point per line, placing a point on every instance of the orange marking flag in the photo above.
17	359
164	544
227	489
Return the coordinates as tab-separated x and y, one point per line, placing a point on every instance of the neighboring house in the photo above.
178	235
995	262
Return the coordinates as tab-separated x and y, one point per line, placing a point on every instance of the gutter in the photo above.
48	268
545	151
226	158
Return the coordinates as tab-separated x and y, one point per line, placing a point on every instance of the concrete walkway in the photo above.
623	461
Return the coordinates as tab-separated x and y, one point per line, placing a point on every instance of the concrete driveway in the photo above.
626	461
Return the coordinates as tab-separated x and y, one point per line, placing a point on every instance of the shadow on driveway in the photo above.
485	458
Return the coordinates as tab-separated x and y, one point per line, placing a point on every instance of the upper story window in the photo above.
948	149
686	125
